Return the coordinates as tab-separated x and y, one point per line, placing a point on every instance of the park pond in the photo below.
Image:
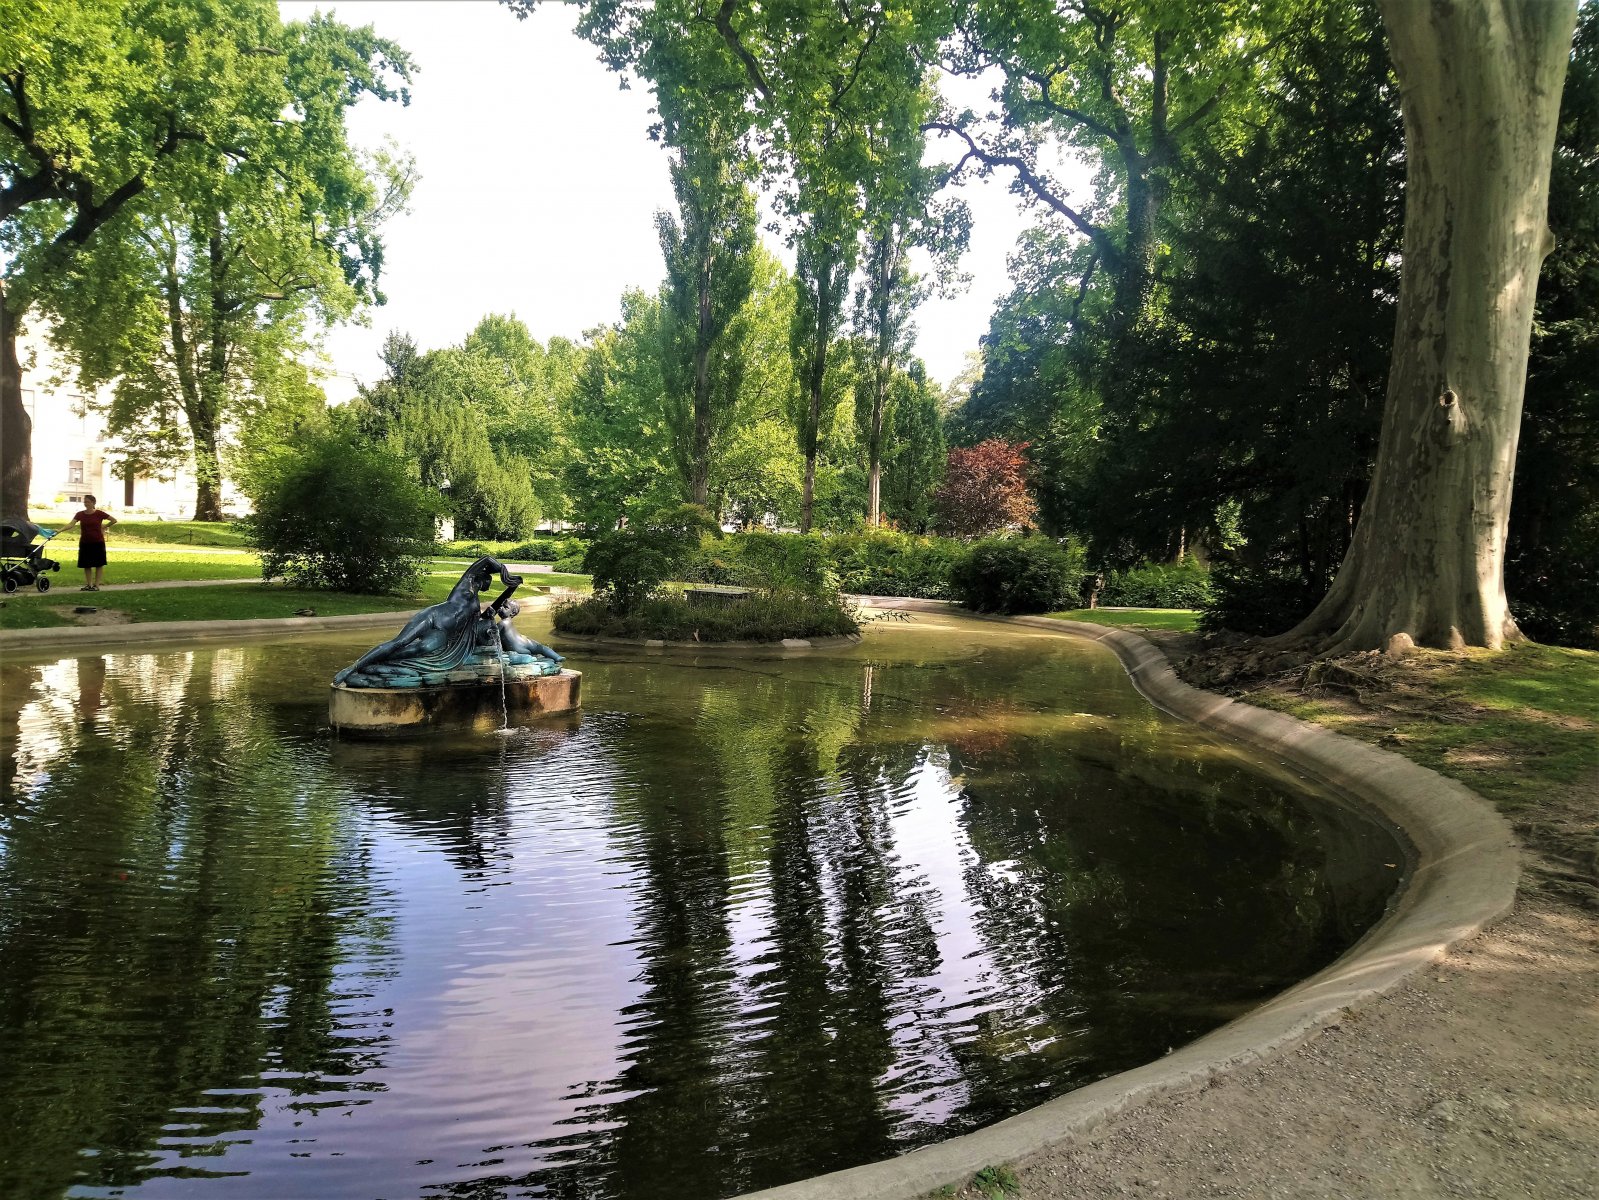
744	919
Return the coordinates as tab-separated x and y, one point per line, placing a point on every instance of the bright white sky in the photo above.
539	187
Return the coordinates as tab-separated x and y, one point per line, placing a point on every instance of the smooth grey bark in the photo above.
16	427
1480	86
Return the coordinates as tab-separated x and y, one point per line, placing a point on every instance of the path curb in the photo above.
1463	877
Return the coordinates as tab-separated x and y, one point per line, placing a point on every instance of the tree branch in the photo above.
724	26
1099	236
1092	124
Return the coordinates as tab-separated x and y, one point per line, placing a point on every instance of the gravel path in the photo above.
1480	1078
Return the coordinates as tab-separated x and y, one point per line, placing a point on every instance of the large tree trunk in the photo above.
813	422
700	451
16	427
1480	84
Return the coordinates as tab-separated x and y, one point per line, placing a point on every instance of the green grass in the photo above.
242	602
238	602
1181	620
1508	724
155	566
170	533
997	1183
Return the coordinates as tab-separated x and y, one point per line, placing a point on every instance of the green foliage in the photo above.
710	270
1264	598
192	299
778	563
466	421
882	562
1552	559
1184	584
619	453
997	1183
344	517
1017	575
761	618
629	564
914	450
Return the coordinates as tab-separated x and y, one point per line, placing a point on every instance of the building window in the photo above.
27	402
75	470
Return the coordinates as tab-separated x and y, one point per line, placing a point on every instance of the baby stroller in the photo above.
22	562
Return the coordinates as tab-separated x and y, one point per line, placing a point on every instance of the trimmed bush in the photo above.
1183	584
548	549
629	564
882	562
343	516
761	618
1018	575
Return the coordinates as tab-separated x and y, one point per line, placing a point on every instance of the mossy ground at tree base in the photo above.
1519	726
676	619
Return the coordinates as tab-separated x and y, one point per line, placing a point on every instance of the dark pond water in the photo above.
740	922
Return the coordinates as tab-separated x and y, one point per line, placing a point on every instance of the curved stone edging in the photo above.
1464	877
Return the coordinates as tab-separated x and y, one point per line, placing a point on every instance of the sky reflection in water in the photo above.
739	922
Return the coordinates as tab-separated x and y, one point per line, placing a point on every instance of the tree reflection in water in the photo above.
740	923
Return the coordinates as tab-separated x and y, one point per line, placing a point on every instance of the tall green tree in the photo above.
202	285
916	450
1481	82
709	251
1133	84
618	442
427	412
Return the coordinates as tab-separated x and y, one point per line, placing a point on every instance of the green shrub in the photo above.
572	564
877	562
548	549
1017	575
1554	588
882	562
343	516
760	618
629	564
1264	599
1183	584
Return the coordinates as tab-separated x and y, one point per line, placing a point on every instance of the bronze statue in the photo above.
458	634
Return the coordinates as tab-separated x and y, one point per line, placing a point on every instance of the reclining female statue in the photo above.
449	635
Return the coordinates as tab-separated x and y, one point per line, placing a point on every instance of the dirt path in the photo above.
1479	1077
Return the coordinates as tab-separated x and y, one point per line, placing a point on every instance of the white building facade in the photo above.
73	457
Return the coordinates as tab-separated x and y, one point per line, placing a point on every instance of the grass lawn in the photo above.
239	602
1179	619
171	533
1510	725
129	565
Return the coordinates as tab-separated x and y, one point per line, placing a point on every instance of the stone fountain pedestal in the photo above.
461	700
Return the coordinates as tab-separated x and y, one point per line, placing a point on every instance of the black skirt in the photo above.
91	554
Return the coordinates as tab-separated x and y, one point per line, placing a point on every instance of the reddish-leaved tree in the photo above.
985	489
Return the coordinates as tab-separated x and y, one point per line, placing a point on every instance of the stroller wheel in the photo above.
10	584
42	583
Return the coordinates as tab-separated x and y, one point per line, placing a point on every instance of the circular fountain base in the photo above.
477	702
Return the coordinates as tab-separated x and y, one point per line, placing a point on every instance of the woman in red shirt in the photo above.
91	543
